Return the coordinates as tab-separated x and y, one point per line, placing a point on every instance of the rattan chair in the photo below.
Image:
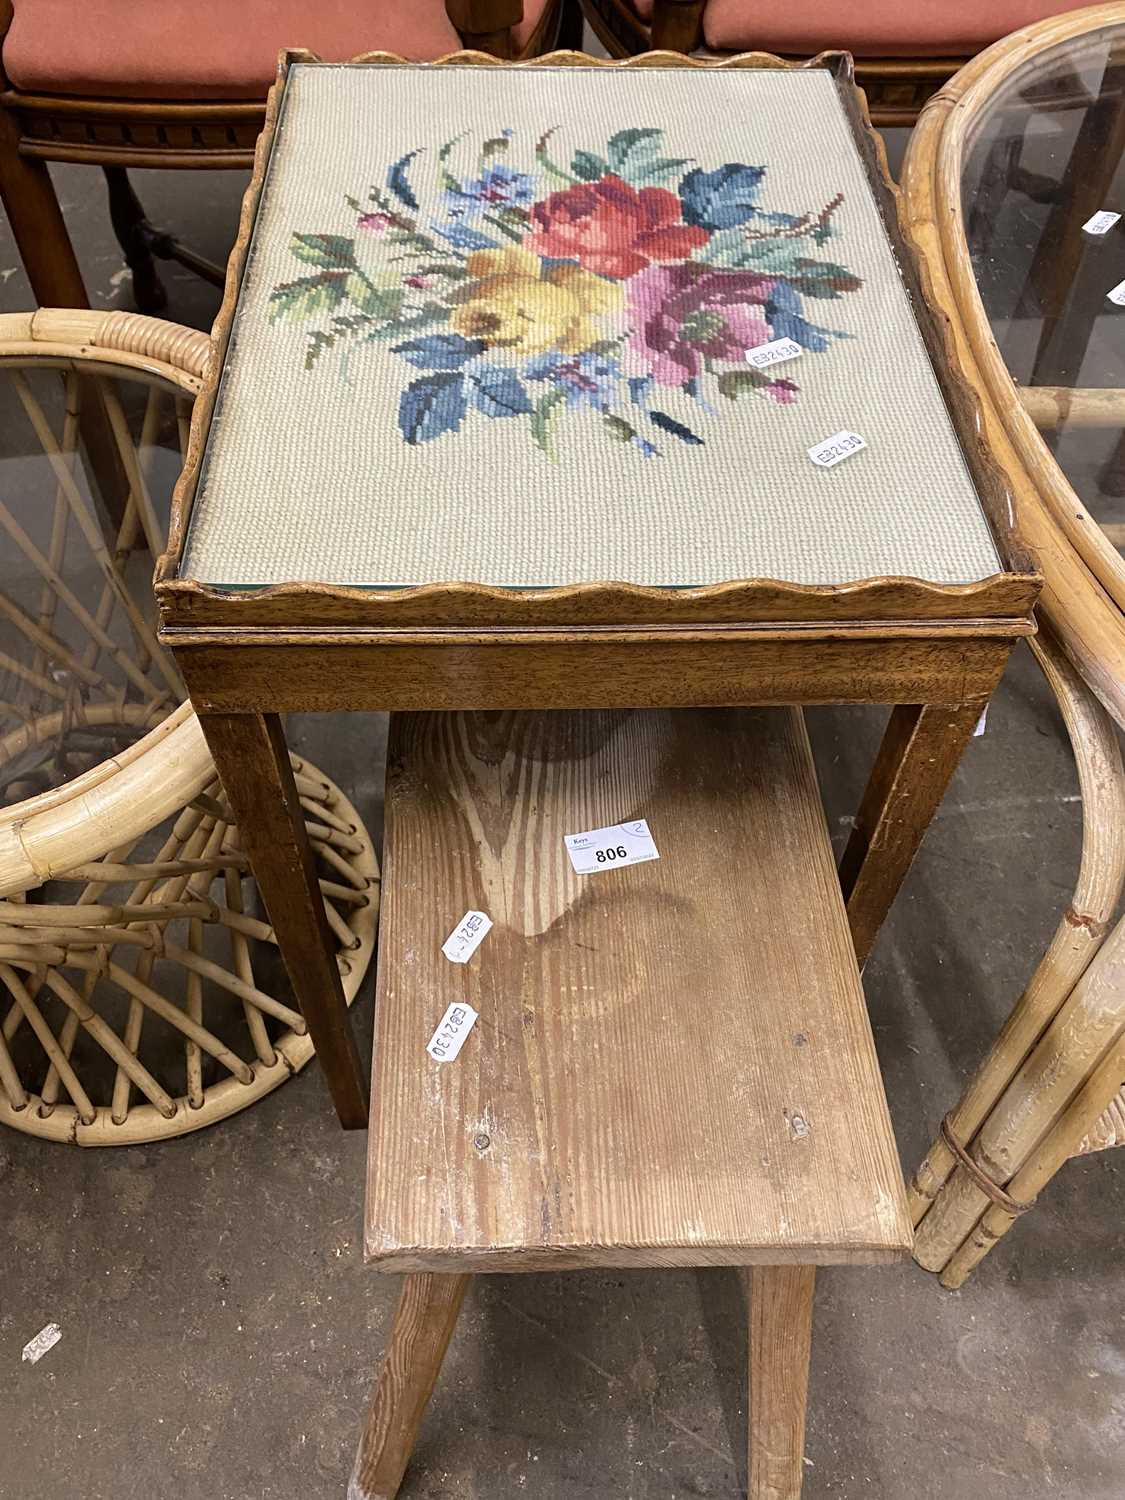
144	997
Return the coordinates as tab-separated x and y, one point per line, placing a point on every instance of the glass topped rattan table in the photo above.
539	386
1015	192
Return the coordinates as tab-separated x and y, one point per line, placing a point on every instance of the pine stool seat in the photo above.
672	1063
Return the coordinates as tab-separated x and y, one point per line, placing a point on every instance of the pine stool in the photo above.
672	1064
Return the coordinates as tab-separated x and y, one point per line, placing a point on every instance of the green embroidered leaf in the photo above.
333	250
543	420
587	166
736	383
319	343
353	203
493	147
450	268
376	301
823	278
660	169
424	317
633	155
297	301
410	240
619	429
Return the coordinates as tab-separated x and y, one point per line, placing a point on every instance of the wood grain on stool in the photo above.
781	1308
673	1063
424	1323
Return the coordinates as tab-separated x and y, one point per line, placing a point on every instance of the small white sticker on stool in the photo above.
835	449
44	1340
452	1030
466	937
982	722
1118	294
1102	222
776	352
611	848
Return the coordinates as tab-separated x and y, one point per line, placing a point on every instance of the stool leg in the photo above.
424	1323
252	760
781	1304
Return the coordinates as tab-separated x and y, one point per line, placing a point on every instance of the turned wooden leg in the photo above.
919	753
252	760
424	1323
781	1307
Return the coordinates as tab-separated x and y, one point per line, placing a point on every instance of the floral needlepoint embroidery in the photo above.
594	287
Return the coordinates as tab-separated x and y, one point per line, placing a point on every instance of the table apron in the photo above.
328	676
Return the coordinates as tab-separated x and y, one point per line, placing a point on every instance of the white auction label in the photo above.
982	722
1102	222
834	449
44	1340
450	1036
610	848
1118	294
466	937
776	352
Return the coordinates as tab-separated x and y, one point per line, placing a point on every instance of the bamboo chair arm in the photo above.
676	24
123	797
119	801
149	346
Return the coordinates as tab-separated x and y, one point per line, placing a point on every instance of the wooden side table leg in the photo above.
781	1308
424	1323
252	760
919	753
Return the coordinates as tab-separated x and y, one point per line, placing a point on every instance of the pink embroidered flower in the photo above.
612	228
419	281
376	223
683	314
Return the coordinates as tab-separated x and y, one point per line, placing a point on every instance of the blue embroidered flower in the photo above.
498	186
587	379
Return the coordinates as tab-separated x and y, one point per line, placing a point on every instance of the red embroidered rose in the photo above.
612	228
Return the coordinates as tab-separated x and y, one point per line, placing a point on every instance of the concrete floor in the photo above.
219	1330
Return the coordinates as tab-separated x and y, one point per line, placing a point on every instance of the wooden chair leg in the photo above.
252	760
781	1307
919	753
44	246
424	1323
38	226
133	233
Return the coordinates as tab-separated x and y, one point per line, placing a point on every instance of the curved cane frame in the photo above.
1051	1086
144	920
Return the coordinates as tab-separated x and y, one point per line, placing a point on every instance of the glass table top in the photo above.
1043	204
506	326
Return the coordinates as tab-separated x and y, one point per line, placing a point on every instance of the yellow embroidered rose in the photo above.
510	305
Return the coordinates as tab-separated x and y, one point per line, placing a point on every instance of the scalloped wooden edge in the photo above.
1009	594
1085	617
